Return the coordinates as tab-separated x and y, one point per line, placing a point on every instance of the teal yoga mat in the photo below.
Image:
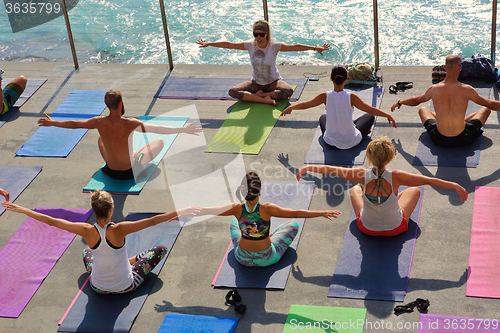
93	312
59	142
185	323
322	153
134	186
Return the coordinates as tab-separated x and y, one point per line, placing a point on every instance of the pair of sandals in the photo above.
233	298
421	304
400	86
438	73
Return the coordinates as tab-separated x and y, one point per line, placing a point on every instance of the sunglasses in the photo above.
259	34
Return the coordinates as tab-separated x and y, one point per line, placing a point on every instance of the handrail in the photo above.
375	32
493	31
165	31
70	34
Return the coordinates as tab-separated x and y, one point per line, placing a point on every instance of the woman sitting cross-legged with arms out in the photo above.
266	85
110	269
254	244
338	128
379	211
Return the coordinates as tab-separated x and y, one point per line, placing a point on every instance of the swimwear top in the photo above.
378	199
383	216
252	226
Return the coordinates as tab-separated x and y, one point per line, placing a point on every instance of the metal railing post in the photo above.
375	32
167	38
70	34
266	15
493	31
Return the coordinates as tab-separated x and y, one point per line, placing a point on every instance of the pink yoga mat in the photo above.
430	323
484	271
38	247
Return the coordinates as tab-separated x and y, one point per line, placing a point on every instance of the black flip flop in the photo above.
402	86
421	304
232	297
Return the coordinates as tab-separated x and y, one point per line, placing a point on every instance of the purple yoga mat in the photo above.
430	323
40	246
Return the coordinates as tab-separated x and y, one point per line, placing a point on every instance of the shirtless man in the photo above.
115	139
10	94
448	126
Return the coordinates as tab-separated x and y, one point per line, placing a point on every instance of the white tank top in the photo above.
380	217
340	130
111	270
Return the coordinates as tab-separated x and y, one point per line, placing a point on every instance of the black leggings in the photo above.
145	263
363	123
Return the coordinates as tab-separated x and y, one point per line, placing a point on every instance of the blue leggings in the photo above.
280	241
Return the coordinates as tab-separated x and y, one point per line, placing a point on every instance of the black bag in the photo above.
477	67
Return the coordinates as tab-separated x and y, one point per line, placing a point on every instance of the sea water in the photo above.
411	32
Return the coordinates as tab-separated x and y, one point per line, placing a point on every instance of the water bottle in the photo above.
380	77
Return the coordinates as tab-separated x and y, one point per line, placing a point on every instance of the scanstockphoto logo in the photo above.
196	178
26	14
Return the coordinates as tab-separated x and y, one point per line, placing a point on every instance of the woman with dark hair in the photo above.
254	244
337	126
267	84
111	270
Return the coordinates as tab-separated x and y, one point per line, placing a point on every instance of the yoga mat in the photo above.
93	312
483	271
429	154
59	142
183	323
430	323
31	87
194	87
322	153
377	268
324	319
40	246
294	195
14	179
246	128
134	186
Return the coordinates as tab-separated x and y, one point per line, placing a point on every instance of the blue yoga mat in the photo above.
14	179
194	87
59	142
31	87
370	267
322	153
134	186
93	312
183	323
429	154
294	195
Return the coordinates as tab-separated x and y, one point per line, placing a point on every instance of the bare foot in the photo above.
269	100
259	93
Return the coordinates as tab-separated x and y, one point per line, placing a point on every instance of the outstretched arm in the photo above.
190	128
277	211
78	228
478	99
87	123
360	104
414	101
404	178
318	100
127	227
224	45
353	174
5	194
225	210
303	47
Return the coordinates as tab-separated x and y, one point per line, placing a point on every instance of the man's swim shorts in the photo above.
471	132
11	94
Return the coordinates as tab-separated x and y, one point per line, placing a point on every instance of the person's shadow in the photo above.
458	175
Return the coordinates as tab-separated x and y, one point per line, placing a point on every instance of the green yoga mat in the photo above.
324	319
134	186
246	128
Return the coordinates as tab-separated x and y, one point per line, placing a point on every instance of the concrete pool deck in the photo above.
440	261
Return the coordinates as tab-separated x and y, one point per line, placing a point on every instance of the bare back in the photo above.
115	133
450	101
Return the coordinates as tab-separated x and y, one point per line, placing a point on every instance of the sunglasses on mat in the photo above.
259	34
